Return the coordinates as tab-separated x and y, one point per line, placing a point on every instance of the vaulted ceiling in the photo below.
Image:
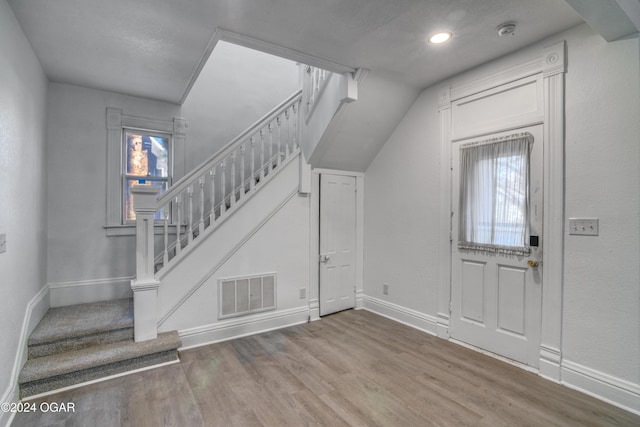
151	48
154	48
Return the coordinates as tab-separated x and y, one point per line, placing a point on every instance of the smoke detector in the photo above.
508	29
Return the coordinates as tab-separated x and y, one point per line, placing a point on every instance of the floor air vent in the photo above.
244	295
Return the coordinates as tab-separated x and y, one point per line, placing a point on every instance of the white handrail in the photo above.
194	204
225	151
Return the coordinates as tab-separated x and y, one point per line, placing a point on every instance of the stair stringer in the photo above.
183	282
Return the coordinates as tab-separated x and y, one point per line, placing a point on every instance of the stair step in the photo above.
76	327
59	370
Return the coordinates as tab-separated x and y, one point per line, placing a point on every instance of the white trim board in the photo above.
549	63
406	316
239	327
613	390
90	290
36	309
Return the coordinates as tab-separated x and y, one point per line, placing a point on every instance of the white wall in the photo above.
601	310
23	92
235	88
601	327
402	211
79	252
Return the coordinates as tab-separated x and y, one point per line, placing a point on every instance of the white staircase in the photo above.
195	206
175	243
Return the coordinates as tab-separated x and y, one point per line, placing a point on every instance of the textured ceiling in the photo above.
151	48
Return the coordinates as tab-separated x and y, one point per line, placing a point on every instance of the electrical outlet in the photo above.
385	289
303	293
3	243
583	226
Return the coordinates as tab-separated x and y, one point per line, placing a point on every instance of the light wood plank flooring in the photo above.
350	369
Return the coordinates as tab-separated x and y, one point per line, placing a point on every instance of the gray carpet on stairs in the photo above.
85	342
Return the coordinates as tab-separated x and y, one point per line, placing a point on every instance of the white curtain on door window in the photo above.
494	195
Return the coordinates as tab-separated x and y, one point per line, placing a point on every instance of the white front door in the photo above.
496	297
337	243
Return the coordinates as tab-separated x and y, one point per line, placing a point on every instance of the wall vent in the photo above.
240	296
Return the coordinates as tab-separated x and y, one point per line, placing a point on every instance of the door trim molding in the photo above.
550	63
314	238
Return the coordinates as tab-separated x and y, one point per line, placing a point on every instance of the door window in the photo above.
494	195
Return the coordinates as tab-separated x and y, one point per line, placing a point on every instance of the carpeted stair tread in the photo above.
61	323
100	355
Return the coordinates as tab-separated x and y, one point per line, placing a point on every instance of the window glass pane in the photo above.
147	154
129	213
494	192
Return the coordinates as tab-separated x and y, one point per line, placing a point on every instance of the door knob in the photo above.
532	263
324	258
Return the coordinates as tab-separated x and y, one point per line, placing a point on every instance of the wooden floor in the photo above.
350	369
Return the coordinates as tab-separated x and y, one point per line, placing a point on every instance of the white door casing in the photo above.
337	243
496	298
549	65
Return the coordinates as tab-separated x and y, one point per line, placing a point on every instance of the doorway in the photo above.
496	279
337	260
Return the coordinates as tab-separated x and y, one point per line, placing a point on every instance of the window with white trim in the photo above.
139	150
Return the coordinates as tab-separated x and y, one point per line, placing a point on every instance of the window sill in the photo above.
130	230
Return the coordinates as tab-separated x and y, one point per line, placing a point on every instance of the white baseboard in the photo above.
35	310
92	290
407	316
442	326
550	360
238	328
359	299
616	391
314	310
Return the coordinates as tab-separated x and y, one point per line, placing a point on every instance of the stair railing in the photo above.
315	82
210	191
197	202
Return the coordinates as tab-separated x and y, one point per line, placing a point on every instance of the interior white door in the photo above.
496	298
337	243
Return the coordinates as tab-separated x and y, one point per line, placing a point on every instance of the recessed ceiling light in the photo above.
440	37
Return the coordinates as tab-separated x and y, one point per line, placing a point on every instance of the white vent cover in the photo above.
249	294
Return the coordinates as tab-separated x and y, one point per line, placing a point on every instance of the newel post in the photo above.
144	286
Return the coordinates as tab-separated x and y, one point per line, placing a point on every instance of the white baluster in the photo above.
295	126
179	224
165	255
261	156
212	214
223	204
201	222
253	165
270	148
279	140
286	116
243	166
233	179
189	230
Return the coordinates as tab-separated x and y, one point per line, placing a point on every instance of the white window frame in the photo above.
117	123
123	166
